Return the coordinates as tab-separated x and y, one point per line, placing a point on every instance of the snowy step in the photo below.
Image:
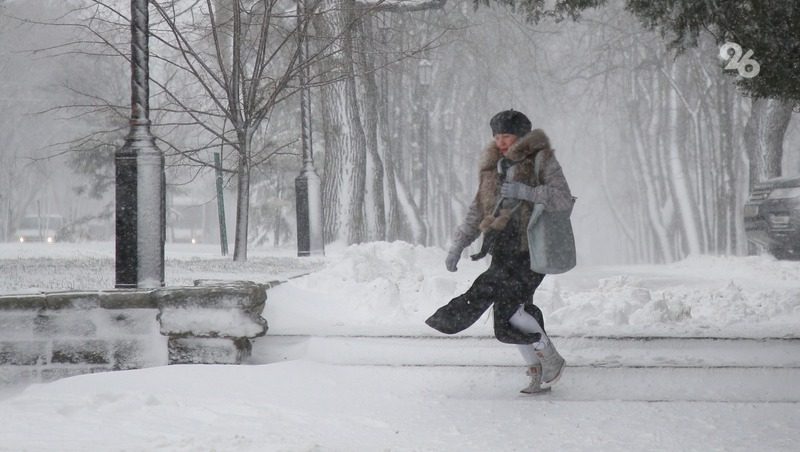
723	385
665	370
488	352
597	385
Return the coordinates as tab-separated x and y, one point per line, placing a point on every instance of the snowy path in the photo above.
302	405
610	369
486	351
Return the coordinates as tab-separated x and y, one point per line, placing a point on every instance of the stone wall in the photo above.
46	336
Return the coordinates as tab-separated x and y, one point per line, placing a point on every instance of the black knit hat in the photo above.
510	121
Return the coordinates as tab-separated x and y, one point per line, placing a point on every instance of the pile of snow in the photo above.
379	283
370	287
698	296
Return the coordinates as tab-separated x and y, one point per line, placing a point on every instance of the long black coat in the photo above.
506	284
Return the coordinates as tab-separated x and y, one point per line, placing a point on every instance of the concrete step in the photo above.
607	352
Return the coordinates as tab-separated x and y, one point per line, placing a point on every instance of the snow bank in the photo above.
698	296
372	286
378	277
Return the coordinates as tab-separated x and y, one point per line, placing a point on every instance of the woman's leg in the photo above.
534	369
552	362
515	291
528	353
526	323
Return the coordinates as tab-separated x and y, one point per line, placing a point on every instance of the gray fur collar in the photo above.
527	146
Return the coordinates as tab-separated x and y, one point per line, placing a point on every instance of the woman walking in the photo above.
508	187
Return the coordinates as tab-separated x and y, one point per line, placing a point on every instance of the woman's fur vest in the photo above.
522	152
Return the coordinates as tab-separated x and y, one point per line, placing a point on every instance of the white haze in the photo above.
547	71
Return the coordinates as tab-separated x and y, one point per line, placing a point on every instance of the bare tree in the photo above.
221	68
353	197
243	77
678	144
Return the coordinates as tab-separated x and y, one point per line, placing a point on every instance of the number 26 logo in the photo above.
747	67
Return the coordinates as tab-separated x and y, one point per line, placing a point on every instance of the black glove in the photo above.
489	238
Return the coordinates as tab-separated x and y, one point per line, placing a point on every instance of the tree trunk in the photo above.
345	154
646	110
276	239
242	200
659	215
422	163
392	214
728	210
678	174
375	207
764	134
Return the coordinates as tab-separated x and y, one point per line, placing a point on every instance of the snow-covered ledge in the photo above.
212	322
50	335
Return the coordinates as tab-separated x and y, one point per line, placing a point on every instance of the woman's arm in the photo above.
468	230
553	193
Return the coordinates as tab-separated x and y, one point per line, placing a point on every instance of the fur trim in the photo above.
522	151
491	154
529	145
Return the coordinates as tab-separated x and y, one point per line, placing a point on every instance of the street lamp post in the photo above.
140	203
425	78
308	186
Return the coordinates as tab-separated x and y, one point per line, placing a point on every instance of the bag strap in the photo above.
504	165
537	165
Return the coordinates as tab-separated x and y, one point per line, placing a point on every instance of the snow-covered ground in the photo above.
312	385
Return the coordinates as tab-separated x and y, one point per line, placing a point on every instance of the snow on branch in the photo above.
402	5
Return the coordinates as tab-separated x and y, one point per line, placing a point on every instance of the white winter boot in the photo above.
552	363
535	386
